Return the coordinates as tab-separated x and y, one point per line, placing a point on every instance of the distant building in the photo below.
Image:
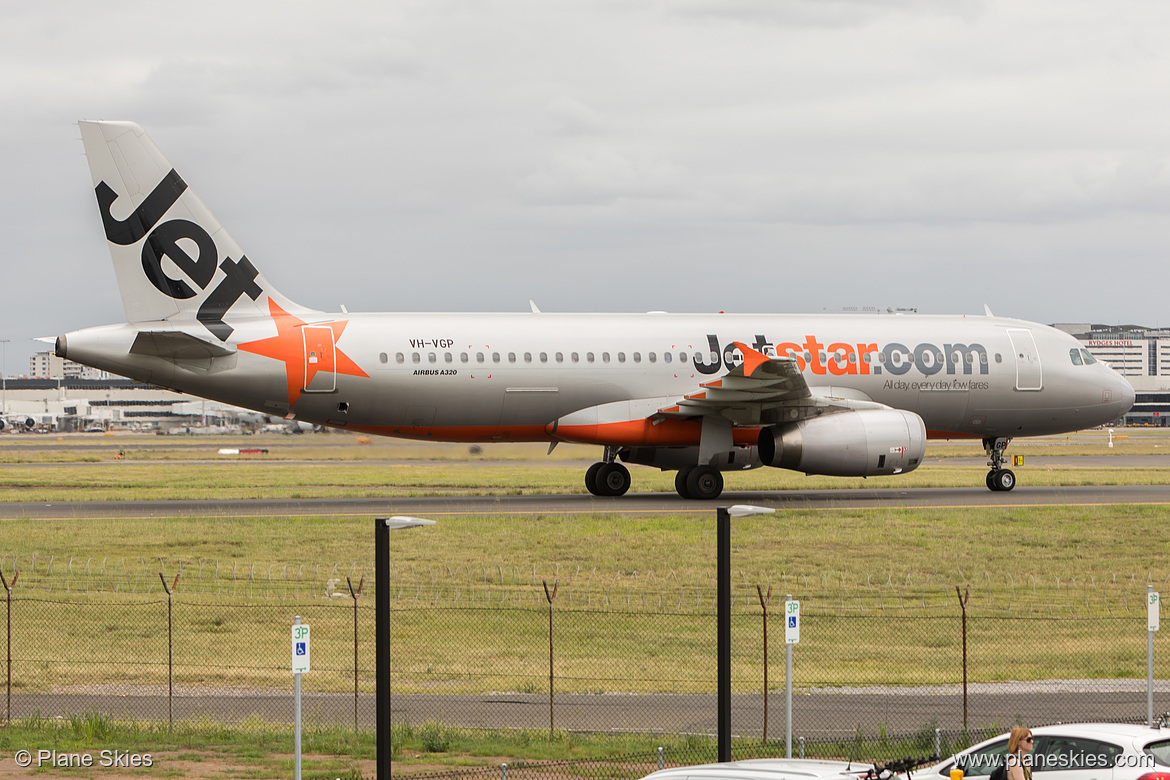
46	365
1141	355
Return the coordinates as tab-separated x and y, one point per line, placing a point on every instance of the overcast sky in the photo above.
699	155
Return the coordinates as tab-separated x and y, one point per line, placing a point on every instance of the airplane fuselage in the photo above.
493	377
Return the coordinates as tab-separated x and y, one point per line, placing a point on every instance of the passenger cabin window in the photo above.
1075	354
400	358
447	358
543	357
667	356
621	357
589	357
561	357
527	357
462	357
417	358
511	357
479	357
604	357
495	357
383	357
637	357
432	357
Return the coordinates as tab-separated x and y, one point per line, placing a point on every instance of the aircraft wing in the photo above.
763	390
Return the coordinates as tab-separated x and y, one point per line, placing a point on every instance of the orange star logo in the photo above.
290	346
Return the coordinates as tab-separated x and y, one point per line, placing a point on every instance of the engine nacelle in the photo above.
863	443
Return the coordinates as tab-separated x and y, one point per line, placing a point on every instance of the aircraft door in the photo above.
320	360
1029	375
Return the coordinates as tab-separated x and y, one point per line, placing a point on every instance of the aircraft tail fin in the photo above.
172	257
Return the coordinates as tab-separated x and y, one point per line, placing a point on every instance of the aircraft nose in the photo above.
1124	395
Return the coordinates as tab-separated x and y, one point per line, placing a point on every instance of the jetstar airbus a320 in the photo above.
837	394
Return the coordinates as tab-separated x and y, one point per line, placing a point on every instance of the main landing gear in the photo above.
999	478
608	478
699	482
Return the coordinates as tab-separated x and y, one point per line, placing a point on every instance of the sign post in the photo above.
300	665
791	637
1153	619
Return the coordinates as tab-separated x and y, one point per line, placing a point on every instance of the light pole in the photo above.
382	528
723	616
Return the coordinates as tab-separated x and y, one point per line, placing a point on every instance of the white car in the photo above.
764	769
1073	751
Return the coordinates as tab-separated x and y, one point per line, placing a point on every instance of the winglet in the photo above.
532	303
987	310
752	359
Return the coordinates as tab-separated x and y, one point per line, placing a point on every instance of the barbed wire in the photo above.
502	584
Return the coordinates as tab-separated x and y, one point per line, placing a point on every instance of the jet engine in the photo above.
862	443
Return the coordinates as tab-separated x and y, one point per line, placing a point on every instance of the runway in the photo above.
630	504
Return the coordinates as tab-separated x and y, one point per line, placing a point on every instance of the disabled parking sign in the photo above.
300	648
792	622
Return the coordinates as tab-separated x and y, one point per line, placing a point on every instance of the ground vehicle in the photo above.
764	769
1073	751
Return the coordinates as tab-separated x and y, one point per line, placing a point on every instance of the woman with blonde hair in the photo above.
1019	743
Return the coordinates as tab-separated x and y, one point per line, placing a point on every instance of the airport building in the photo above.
46	365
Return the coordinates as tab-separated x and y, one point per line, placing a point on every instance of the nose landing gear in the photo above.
999	478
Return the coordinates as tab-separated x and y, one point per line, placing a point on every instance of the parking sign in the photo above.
1153	611
792	622
300	648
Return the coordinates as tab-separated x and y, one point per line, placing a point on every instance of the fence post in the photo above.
170	649
8	666
354	596
660	759
551	598
963	599
764	606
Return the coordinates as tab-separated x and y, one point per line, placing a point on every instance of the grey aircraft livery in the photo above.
837	394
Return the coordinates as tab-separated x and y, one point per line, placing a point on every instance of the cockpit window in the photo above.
1089	359
1075	354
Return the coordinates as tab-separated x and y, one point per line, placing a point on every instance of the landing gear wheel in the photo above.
680	481
999	478
704	483
591	483
613	479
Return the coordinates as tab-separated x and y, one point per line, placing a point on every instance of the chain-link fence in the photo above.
471	648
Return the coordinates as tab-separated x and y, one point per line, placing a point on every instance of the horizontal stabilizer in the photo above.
177	346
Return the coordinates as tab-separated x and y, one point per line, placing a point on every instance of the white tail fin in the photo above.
173	259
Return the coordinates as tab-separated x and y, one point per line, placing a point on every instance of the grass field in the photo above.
1046	573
